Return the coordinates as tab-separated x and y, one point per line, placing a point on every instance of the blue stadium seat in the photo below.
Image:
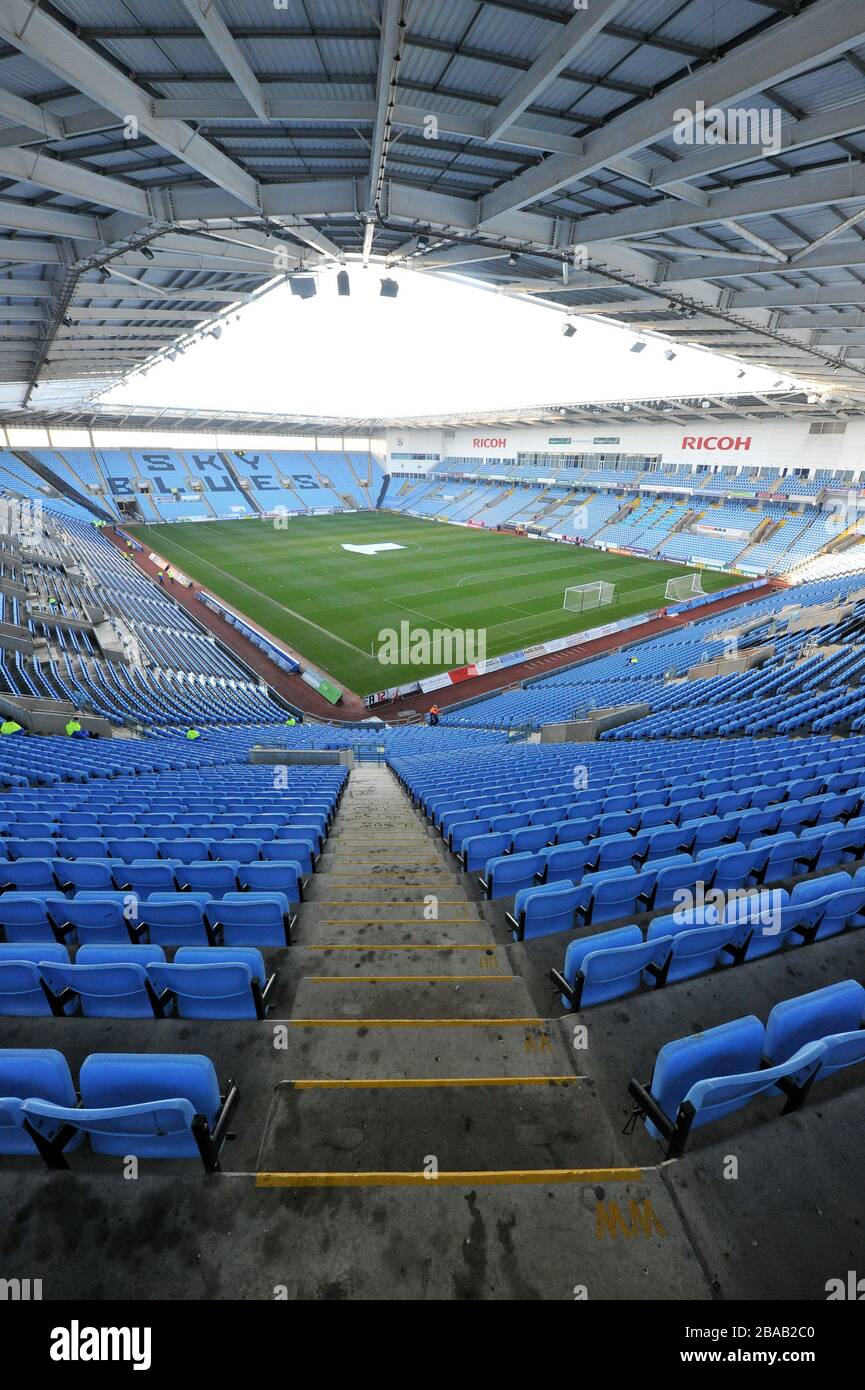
119	989
607	966
149	876
252	919
548	908
176	920
284	877
216	982
26	917
28	875
101	920
27	1072
148	1105
838	1008
507	873
209	877
568	862
296	850
479	849
21	976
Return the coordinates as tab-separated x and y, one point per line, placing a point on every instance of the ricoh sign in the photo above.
713	442
489	442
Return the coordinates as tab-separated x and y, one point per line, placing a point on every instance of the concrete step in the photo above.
476	996
375	958
517	1124
423	852
332	911
430	1048
360	888
414	871
378	934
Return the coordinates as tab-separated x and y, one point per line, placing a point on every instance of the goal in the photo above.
689	586
580	597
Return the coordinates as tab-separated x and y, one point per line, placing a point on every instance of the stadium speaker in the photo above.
302	285
343	284
568	329
638	347
670	355
389	289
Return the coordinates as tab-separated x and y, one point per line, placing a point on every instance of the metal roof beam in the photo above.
392	31
813	188
818	34
576	35
37	217
42	38
818	129
228	51
60	176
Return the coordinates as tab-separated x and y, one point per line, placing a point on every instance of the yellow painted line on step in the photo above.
395	921
408	979
410	1082
507	1177
414	1022
402	946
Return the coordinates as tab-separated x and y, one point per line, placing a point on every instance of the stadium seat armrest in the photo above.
738	953
210	1142
660	972
573	993
674	1131
57	1002
561	983
518	926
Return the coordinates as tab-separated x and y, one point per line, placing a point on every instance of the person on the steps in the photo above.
434	715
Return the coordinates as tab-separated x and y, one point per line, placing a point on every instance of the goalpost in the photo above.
598	594
689	586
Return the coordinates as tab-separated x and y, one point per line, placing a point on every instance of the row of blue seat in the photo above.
147	1105
692	941
548	899
126	981
187	851
474	843
253	918
285	872
708	1075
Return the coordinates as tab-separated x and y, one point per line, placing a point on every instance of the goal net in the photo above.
689	586
580	597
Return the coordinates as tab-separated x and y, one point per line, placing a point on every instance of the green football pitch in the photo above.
331	604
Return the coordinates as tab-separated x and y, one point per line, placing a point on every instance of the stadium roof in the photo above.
786	405
162	160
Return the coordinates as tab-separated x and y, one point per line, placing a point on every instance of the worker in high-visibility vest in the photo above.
72	727
9	726
192	733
